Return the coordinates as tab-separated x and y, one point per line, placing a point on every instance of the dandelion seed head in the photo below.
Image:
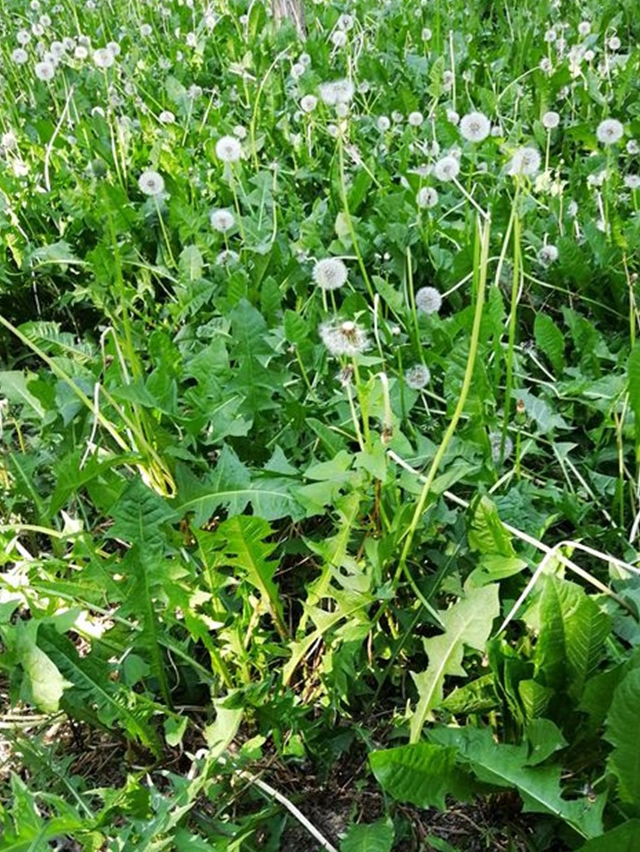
448	168
20	56
308	103
525	161
609	131
550	119
337	92
417	377
344	338
228	149
584	28
222	220
427	197
146	30
330	273
45	71
383	123
614	43
103	58
151	183
428	300
475	126
547	255
495	441
415	119
339	38
166	117
632	181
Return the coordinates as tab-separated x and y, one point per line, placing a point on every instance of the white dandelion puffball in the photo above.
609	131
584	28
222	220
344	338
415	119
103	58
632	181
495	441
151	183
417	377
45	71
166	117
428	300
475	126
614	43
20	56
146	30
330	273
448	168
337	92
339	38
228	149
548	254
383	123
551	119
308	103
525	161
427	197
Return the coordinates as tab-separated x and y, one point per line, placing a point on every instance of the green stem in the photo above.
480	277
513	317
349	220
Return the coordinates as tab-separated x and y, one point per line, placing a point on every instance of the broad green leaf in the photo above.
93	694
506	766
44	682
140	514
550	340
467	624
296	329
233	486
375	837
622	733
622	838
245	548
487	533
633	373
569	647
14	385
420	773
191	263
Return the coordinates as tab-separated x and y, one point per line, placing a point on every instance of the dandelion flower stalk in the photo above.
513	316
480	276
347	215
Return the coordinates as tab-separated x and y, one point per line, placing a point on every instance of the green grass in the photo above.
251	524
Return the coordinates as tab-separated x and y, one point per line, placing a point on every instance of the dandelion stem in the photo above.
347	216
480	270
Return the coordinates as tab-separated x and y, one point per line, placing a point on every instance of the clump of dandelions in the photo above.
228	149
428	300
495	442
330	273
344	338
525	161
417	377
609	131
222	220
151	183
337	92
475	127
